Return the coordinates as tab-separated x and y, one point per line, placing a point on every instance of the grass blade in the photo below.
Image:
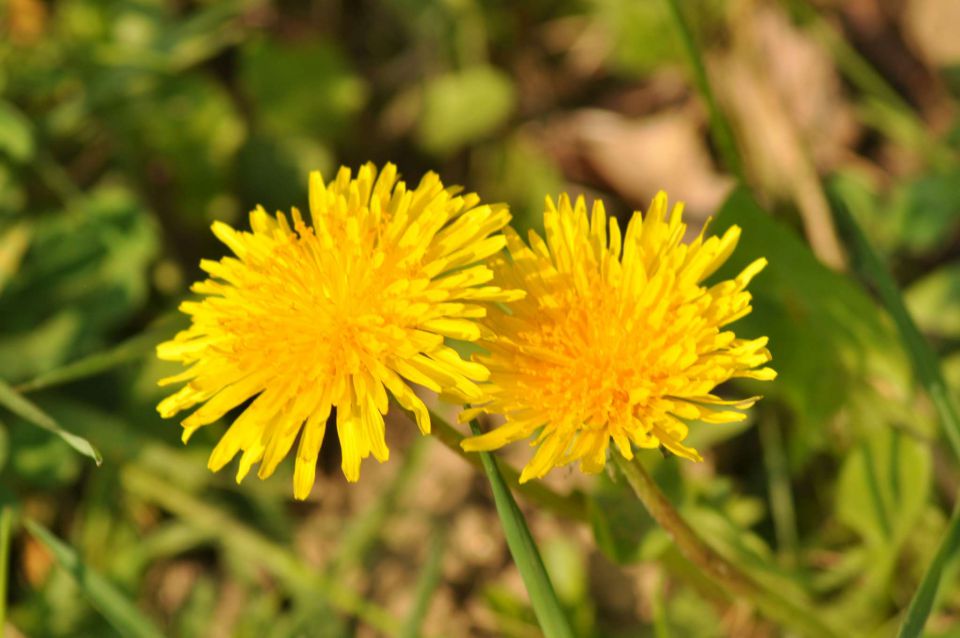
550	615
719	126
926	595
129	350
234	536
926	366
120	612
426	585
27	410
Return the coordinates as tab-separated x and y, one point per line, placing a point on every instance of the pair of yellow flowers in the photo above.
590	335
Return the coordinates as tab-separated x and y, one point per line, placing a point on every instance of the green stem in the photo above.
572	505
550	615
719	126
717	568
926	595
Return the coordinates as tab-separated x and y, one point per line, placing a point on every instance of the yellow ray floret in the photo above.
616	339
338	311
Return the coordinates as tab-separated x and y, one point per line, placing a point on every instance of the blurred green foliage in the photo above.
128	126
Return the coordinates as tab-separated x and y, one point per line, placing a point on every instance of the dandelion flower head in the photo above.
617	338
340	311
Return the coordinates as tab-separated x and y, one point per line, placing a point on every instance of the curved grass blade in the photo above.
129	350
553	622
120	612
27	410
926	595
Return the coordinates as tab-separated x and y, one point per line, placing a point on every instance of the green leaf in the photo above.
301	87
620	522
85	275
16	136
883	487
934	301
926	595
120	612
928	371
13	401
796	299
926	366
523	548
464	107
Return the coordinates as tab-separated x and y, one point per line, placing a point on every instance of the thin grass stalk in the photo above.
729	577
546	606
719	126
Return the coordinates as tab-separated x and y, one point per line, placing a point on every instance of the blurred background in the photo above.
127	127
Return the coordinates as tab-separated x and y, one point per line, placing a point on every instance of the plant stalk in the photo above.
717	568
572	505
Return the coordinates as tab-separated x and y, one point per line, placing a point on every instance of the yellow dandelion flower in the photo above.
337	313
617	338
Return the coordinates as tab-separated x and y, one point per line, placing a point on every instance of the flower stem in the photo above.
717	568
572	505
526	556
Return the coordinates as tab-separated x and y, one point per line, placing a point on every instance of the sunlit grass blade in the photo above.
719	125
98	362
426	585
27	410
926	594
546	606
6	528
869	267
120	612
572	505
